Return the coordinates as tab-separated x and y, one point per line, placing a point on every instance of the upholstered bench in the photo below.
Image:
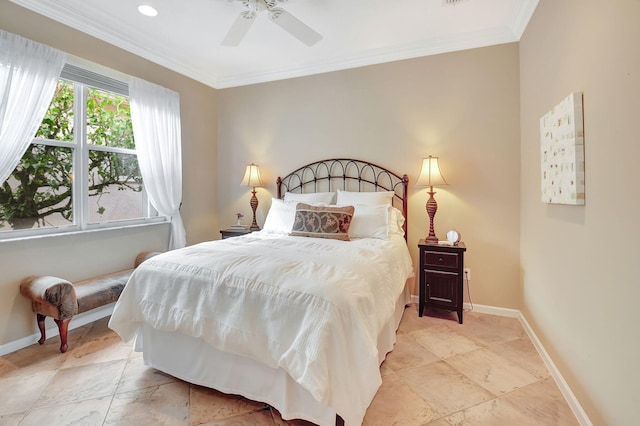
60	299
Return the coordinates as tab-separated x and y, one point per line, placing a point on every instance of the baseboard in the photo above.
483	309
492	310
571	399
76	321
569	396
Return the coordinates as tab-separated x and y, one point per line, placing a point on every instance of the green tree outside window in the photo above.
41	185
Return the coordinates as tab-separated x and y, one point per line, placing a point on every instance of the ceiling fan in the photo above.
277	15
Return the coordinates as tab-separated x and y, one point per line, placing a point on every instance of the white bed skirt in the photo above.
195	361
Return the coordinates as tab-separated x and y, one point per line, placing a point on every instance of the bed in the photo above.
292	315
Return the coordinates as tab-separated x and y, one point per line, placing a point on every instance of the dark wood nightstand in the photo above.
228	233
441	277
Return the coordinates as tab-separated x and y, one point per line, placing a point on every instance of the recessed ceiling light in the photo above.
147	10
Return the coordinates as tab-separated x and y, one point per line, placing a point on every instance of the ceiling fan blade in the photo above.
294	26
239	28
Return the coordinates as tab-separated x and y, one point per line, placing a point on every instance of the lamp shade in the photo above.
430	173
252	176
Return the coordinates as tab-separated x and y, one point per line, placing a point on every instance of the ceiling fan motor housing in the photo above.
260	5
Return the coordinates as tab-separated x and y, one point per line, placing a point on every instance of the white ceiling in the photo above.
186	35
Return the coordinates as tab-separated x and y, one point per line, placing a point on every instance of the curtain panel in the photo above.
29	73
155	116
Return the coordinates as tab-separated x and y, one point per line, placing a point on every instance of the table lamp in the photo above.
252	178
430	176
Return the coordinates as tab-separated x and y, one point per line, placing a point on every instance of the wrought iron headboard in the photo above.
349	175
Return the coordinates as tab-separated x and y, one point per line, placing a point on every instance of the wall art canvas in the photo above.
562	152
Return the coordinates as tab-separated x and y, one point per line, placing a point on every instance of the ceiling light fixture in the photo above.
147	10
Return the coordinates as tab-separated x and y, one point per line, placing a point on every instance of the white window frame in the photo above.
85	75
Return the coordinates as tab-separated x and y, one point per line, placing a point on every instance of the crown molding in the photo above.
138	43
396	53
522	17
102	29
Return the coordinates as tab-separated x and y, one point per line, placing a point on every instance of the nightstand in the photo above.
441	277
228	233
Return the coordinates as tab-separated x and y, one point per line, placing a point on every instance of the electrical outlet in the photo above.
467	274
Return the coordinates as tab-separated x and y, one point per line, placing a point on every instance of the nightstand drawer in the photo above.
439	259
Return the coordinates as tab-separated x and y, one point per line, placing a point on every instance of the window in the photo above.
81	169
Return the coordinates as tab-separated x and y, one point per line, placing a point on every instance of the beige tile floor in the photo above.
484	372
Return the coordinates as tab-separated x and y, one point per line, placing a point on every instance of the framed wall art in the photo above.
562	152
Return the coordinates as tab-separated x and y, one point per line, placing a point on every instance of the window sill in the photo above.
156	222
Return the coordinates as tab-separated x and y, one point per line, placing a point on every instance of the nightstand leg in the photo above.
460	315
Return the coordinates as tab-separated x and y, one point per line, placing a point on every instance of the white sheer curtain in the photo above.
29	73
155	116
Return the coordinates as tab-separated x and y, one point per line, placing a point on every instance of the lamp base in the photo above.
432	207
254	205
431	239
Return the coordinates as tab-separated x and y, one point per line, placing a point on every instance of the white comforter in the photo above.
312	307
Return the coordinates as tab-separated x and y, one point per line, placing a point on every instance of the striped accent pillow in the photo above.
322	221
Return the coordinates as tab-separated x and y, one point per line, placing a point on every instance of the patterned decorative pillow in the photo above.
322	221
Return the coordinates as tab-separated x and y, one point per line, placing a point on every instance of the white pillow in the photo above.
368	198
310	198
280	217
396	220
370	222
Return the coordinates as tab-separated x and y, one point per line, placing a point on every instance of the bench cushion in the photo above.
100	291
60	299
50	296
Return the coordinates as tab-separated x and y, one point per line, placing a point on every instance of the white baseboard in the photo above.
569	396
492	310
571	399
76	321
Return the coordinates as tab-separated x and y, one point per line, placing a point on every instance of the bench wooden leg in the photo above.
40	318
63	327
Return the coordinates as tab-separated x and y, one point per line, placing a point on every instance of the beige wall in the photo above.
463	107
81	256
580	288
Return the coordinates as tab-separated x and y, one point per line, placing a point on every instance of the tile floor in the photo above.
484	372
